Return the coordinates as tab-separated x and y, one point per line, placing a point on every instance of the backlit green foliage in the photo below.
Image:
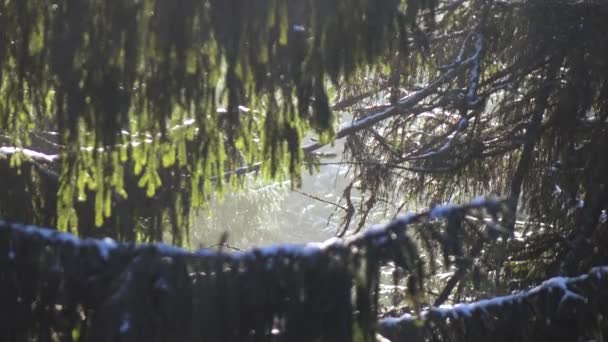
172	93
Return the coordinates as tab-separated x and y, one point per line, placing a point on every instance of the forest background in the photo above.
153	121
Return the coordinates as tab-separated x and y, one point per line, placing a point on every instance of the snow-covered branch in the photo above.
378	236
405	103
8	151
571	305
123	289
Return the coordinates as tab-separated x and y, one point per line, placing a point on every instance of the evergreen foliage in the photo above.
123	115
561	309
56	286
525	118
170	94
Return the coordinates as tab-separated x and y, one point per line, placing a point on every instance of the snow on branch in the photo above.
7	151
286	292
377	236
405	103
386	112
560	309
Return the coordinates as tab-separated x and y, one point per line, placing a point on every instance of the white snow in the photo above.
8	150
125	324
478	201
442	211
391	321
11	251
49	233
405	218
463	124
325	244
557	190
377	234
444	275
375	230
105	246
302	250
560	283
466	309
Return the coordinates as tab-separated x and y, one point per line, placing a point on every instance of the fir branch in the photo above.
564	295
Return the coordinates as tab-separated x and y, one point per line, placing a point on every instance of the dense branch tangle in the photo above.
514	122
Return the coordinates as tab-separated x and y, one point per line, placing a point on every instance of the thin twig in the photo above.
320	199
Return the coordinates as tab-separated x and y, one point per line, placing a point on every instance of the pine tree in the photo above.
117	118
